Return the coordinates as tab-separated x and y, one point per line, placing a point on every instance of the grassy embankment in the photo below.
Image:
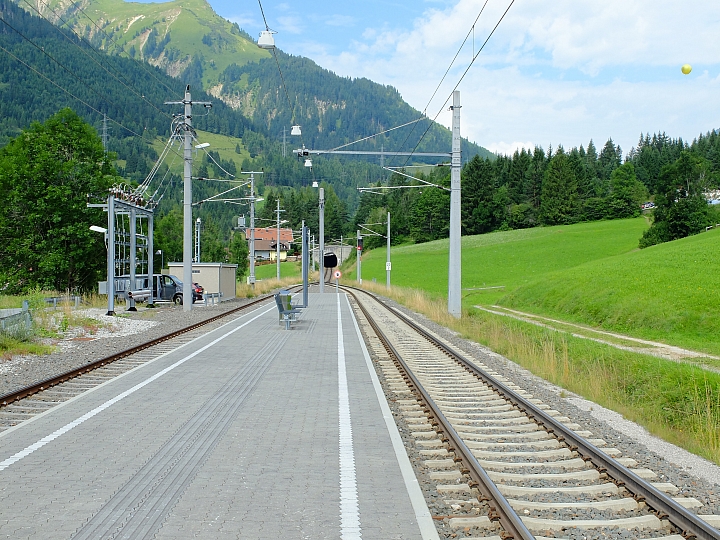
47	323
266	276
592	274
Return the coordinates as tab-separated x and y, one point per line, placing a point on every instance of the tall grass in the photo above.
677	402
243	290
47	322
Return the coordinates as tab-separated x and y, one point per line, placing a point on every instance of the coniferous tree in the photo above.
478	201
627	193
559	202
681	209
534	178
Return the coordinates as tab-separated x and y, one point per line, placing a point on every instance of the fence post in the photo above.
26	310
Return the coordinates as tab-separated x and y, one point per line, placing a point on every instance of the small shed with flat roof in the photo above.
214	277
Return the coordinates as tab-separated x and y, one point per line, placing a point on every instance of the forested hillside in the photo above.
331	109
556	187
190	41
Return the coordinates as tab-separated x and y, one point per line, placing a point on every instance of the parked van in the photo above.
170	288
165	288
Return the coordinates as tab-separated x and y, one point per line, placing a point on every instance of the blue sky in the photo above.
558	72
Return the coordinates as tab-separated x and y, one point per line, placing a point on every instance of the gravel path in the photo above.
116	334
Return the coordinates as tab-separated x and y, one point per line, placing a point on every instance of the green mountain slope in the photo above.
169	35
665	293
190	41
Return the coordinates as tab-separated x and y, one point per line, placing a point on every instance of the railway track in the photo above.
505	465
24	403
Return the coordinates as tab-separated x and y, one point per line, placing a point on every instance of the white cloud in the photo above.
555	73
339	20
292	24
246	21
509	148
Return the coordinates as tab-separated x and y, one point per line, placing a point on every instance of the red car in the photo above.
197	292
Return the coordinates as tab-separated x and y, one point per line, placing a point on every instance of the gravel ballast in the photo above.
127	329
694	476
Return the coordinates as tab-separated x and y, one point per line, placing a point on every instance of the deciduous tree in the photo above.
46	175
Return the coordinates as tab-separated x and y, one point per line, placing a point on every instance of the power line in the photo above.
442	108
73	75
129	86
67	91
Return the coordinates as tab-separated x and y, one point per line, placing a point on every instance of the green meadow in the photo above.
497	263
589	273
668	293
592	274
290	269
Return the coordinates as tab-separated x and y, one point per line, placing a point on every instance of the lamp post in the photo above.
162	258
198	222
388	265
322	240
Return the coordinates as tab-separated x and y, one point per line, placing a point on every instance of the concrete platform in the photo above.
252	431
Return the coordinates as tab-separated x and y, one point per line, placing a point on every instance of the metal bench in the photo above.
285	309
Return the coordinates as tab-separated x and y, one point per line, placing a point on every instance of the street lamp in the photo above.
198	222
321	203
162	258
110	284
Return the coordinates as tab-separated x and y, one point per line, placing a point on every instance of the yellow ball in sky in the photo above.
686	69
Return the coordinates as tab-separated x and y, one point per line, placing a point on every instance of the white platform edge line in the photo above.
109	403
129	372
133	370
349	505
417	499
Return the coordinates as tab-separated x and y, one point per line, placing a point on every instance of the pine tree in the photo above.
559	202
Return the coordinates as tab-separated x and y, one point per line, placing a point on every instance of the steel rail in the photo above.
665	507
508	518
15	395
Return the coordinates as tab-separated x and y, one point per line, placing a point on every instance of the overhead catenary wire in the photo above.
424	113
442	80
442	108
282	79
124	82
